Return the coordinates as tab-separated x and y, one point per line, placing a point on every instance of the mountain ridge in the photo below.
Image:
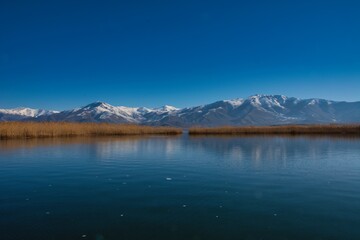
258	109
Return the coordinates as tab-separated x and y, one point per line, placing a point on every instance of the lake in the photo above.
180	188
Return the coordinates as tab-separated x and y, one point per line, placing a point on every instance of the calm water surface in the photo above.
180	188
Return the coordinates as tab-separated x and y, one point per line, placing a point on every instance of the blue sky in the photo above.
64	54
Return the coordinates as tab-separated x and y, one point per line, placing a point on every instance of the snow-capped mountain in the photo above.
267	110
254	110
103	112
23	113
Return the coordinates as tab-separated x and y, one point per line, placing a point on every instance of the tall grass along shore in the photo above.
332	129
10	130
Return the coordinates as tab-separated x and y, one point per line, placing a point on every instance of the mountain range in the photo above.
254	110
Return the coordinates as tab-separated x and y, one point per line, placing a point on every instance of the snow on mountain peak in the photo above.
167	108
97	104
255	100
235	102
131	114
27	112
269	101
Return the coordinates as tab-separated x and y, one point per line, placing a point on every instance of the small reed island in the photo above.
25	130
332	129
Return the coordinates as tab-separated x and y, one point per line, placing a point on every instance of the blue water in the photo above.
180	188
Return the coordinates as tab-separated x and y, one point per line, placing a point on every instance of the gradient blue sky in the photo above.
64	54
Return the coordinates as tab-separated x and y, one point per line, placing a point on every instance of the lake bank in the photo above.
25	130
31	130
333	129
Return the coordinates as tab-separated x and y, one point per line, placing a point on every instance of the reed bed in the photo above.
11	130
333	129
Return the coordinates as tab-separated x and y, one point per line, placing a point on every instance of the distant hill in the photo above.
254	110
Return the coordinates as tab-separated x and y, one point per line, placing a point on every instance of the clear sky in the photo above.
65	54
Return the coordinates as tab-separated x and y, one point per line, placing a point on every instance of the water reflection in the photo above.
258	148
234	150
136	187
262	150
126	141
111	149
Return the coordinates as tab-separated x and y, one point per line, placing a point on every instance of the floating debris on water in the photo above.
168	179
84	236
184	205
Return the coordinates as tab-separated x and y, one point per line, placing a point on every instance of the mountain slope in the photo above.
254	110
266	110
18	114
103	112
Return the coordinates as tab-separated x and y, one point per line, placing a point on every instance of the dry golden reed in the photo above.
9	130
353	129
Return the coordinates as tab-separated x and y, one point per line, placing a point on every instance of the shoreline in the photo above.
33	130
30	130
290	130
